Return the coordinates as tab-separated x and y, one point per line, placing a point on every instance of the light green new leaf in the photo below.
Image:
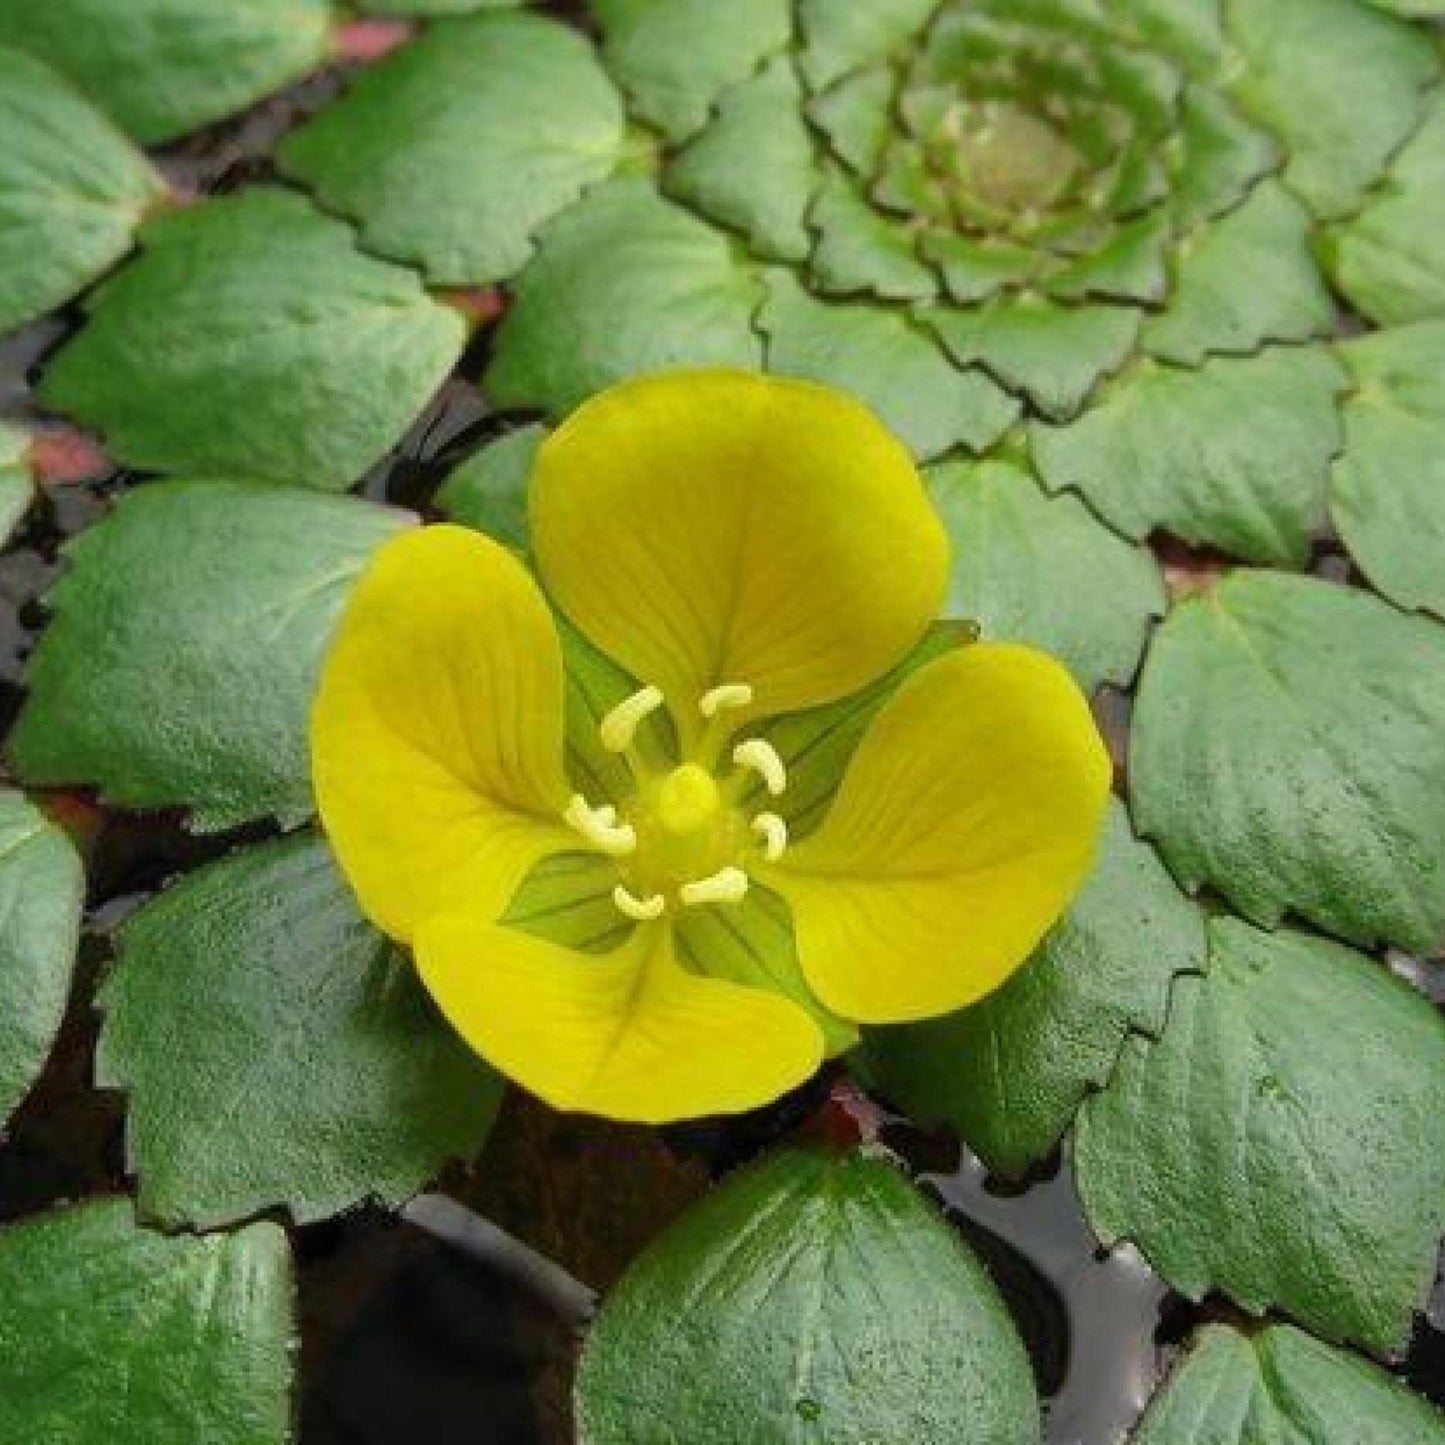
72	190
863	252
17	485
1284	1141
443	155
1235	455
251	338
1241	281
165	67
488	491
1341	84
1387	260
1277	1386
1389	481
674	58
42	888
1054	353
841	35
623	282
1032	568
187	639
881	356
808	1298
754	167
1009	1073
277	1050
110	1332
1288	749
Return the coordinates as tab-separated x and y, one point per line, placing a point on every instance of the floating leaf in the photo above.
277	1050
442	155
251	338
1390	478
676	57
42	888
1277	1386
1032	568
1284	1141
1340	83
1009	1073
17	485
488	491
1247	279
1309	720
1387	259
113	1332
165	67
623	282
1235	455
887	361
73	190
187	639
807	1298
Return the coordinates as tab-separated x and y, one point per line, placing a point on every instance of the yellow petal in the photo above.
630	1035
965	822
714	527
436	736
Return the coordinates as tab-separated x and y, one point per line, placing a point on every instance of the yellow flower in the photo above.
744	547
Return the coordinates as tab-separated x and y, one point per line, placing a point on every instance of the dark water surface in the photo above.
407	1338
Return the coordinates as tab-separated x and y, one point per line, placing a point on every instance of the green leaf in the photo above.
110	1332
674	58
442	154
187	639
277	1050
1241	281
1341	84
42	889
488	491
1032	568
1389	479
1235	455
1054	353
1422	9
1009	1073
842	35
623	282
1312	718
1387	259
1284	1141
862	250
165	67
1220	155
754	167
1128	266
434	7
72	190
252	338
881	356
808	1298
17	485
1277	1386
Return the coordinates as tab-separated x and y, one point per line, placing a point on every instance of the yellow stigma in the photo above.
687	800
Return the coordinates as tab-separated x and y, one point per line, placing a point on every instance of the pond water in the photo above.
407	1338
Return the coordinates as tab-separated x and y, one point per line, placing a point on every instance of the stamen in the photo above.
729	694
644	910
774	833
599	826
619	727
762	757
727	885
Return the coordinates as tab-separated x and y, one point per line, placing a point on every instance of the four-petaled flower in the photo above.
744	547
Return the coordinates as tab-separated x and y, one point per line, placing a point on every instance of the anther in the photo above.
644	910
727	885
774	833
619	727
599	826
762	757
728	695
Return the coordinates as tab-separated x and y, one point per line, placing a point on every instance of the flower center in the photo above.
683	838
